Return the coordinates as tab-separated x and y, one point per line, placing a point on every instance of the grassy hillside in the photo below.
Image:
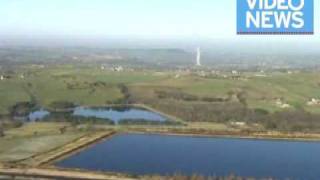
10	93
83	86
260	92
93	86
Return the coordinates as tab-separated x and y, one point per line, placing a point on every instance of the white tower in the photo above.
198	57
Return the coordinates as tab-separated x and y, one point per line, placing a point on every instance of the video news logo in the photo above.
275	17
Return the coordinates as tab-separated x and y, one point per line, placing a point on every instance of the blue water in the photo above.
117	114
165	155
38	115
114	114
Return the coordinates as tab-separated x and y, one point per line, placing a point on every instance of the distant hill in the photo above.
217	56
143	57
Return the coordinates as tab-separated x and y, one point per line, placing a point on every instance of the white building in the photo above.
238	123
313	102
282	105
234	72
118	69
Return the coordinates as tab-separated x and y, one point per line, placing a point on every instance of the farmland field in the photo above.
255	100
93	86
31	139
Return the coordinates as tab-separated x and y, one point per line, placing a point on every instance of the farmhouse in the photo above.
238	123
313	102
118	69
281	104
4	77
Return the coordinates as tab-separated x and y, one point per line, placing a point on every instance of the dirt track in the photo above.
58	174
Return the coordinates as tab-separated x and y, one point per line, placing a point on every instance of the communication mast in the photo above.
198	63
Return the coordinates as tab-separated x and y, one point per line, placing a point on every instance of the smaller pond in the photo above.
119	113
114	114
38	115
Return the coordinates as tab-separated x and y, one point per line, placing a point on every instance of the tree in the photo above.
1	131
63	129
242	97
62	105
126	93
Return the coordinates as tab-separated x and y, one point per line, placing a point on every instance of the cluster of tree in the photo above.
120	108
147	122
63	129
233	108
291	120
126	94
214	99
62	105
218	112
75	120
298	120
1	131
22	108
76	85
117	101
93	120
86	85
177	94
99	84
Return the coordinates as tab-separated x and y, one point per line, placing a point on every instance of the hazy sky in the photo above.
116	18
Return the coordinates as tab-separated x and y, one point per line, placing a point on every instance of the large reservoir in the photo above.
166	155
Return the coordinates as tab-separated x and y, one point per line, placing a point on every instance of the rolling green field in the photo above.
11	92
261	92
93	86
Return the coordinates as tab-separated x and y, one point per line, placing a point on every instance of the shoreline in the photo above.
233	135
185	131
58	173
46	162
49	162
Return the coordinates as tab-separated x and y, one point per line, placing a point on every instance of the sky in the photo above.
124	18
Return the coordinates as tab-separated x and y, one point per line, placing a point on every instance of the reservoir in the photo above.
38	115
166	155
115	114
